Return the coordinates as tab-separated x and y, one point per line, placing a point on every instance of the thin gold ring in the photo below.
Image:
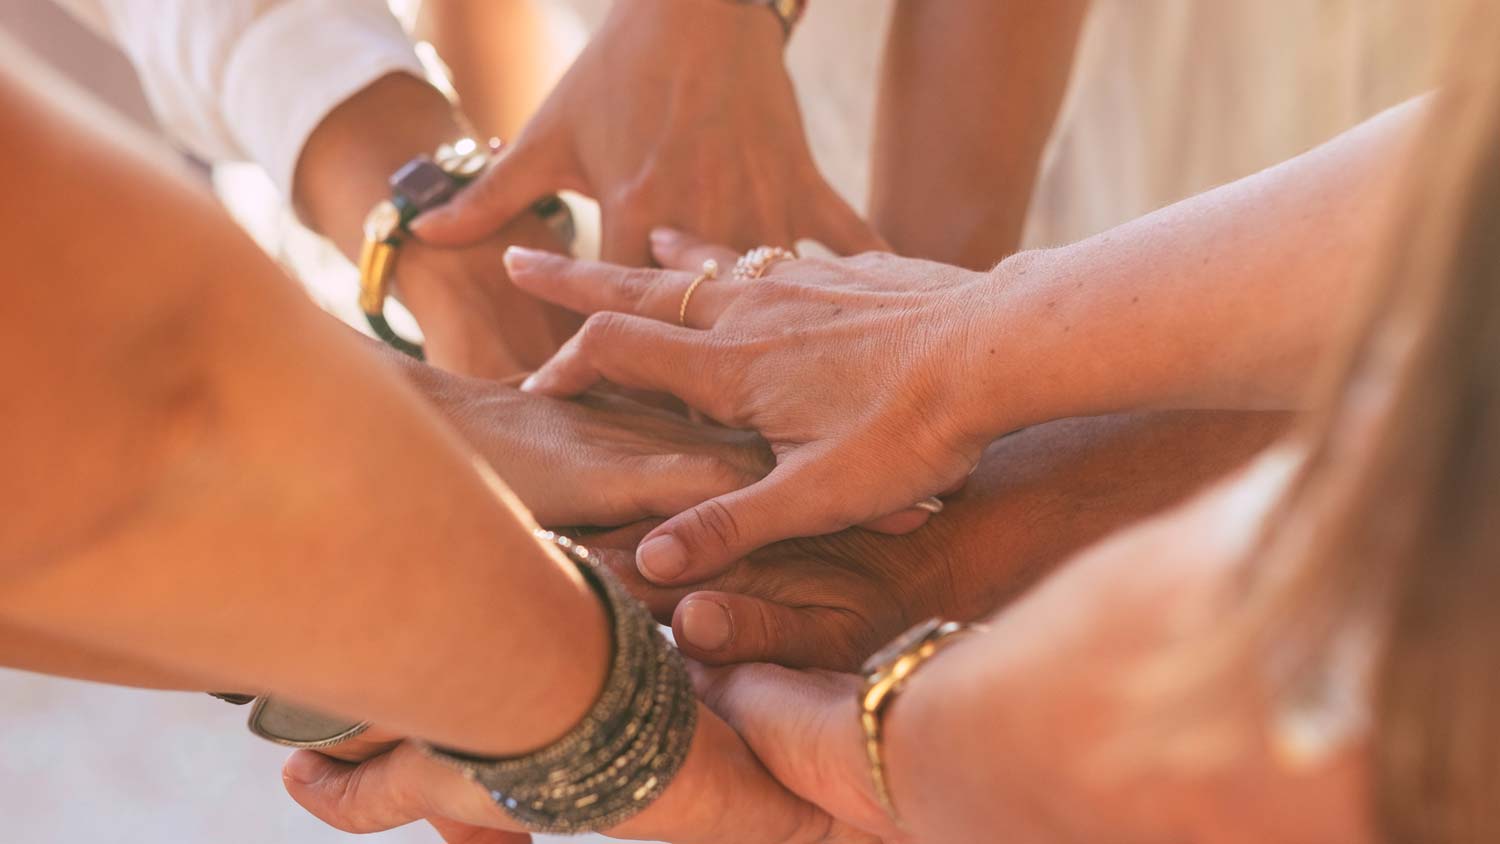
709	273
758	261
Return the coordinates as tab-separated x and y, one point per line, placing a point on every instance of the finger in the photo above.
839	227
518	178
354	798
804	726
720	628
624	238
589	287
682	251
453	832
896	524
632	352
386	792
701	542
673	483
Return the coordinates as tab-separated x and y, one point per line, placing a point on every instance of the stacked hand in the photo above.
602	460
854	370
678	112
721	795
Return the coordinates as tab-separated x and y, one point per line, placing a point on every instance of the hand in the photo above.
1099	690
474	321
854	370
1038	496
602	460
678	112
721	795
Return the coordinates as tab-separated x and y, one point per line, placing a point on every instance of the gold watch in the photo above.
886	674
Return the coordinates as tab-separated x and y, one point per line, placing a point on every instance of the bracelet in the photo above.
423	184
629	746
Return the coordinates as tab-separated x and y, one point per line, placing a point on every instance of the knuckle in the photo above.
599	330
712	522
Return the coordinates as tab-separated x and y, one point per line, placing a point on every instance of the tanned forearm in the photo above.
969	93
210	478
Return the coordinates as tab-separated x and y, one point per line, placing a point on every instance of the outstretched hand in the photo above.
852	369
710	138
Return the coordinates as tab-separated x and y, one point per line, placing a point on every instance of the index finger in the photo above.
590	287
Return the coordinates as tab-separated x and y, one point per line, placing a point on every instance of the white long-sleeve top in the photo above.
251	79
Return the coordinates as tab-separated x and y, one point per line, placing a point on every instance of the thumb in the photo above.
388	791
804	726
701	542
724	628
519	177
453	832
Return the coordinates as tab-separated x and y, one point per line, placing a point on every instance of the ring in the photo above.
710	272
758	261
932	505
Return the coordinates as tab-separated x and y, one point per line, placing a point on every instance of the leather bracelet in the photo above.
625	751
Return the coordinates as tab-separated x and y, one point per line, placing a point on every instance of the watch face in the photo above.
900	645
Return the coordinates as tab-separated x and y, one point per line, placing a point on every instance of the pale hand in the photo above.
678	112
857	371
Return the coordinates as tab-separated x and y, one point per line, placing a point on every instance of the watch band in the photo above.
419	186
886	675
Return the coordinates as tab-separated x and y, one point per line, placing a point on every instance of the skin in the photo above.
710	139
1077	728
1223	301
1037	497
941	58
178	468
473	320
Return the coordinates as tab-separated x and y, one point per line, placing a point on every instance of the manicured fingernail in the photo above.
932	505
706	624
664	236
304	767
662	559
530	384
521	258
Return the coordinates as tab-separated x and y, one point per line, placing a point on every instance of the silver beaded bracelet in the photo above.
629	746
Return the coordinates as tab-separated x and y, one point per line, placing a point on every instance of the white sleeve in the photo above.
251	79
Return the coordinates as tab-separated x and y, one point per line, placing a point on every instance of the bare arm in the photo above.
181	499
969	93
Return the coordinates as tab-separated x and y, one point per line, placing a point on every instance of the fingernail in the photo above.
521	258
304	767
932	505
662	559
529	385
664	236
706	624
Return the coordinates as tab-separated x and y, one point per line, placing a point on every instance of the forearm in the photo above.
1228	300
502	56
28	651
219	483
969	93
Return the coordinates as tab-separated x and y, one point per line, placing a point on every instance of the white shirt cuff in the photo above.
296	65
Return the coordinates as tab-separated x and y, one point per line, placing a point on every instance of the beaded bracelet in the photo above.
627	749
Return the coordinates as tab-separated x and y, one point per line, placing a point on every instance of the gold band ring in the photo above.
758	261
710	272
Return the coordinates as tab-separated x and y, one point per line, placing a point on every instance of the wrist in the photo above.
1027	361
345	167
